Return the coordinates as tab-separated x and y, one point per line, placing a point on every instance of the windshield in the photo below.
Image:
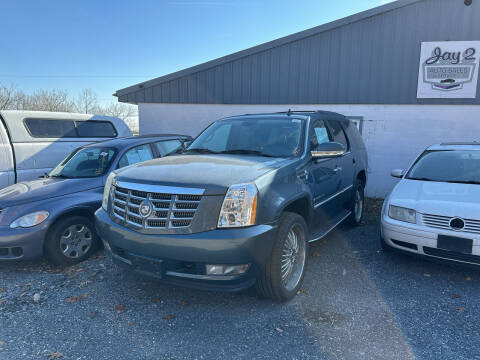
263	137
458	166
87	162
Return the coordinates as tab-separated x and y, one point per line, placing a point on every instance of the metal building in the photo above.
406	72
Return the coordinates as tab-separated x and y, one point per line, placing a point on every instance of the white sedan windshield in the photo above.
458	166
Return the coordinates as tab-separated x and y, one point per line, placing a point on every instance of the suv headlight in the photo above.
402	214
30	220
107	189
239	206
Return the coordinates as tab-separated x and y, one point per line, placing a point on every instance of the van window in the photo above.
95	129
50	128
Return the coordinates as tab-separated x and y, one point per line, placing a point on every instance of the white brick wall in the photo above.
394	134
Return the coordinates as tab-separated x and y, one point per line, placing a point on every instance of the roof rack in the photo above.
295	111
461	143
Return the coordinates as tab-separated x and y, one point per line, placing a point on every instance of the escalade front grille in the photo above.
443	222
169	207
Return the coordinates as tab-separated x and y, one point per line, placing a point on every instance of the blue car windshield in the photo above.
86	162
455	166
277	137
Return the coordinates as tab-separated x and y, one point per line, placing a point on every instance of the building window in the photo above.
358	121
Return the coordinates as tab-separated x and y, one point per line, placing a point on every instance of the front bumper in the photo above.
22	243
422	240
181	259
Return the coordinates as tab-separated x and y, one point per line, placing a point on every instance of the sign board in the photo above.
448	69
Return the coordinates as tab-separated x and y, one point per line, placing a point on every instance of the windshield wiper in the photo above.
420	178
474	182
201	151
61	176
246	152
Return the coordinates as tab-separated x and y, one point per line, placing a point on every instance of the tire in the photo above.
292	230
59	248
357	206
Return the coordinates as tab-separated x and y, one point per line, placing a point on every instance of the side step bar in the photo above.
318	237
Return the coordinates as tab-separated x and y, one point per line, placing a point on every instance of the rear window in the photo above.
53	128
95	129
50	128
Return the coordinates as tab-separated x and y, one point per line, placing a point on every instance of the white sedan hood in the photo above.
438	198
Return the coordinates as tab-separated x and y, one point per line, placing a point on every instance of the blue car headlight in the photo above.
30	220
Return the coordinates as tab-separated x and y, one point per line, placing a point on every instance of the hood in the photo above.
45	188
214	173
437	198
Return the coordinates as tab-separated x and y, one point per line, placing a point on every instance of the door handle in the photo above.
303	175
337	168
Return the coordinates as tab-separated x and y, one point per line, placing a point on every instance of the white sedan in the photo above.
435	208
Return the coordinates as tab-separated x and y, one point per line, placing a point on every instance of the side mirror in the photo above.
328	150
187	143
397	173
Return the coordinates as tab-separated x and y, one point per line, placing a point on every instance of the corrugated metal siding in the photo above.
371	61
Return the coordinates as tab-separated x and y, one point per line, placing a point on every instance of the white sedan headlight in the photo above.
239	206
30	220
402	214
107	189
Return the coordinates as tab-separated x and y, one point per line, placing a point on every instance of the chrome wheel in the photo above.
76	240
358	207
293	258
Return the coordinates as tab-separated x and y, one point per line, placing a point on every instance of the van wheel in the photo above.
357	206
71	240
283	273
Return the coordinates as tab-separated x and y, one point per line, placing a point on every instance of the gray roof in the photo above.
369	57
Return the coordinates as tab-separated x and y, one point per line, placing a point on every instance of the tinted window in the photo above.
168	146
50	128
338	133
136	155
95	129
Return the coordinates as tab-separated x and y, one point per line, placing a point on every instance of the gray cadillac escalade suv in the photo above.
239	206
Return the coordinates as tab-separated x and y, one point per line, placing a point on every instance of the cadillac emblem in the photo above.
145	208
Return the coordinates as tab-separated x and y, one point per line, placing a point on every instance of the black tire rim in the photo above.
76	240
293	258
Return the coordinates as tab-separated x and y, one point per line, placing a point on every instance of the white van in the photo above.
34	142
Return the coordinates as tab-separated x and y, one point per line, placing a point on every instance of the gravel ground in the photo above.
356	303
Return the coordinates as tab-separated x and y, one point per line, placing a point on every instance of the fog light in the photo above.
226	269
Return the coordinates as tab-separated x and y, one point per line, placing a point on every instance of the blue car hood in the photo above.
46	188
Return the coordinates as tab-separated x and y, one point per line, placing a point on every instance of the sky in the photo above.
106	45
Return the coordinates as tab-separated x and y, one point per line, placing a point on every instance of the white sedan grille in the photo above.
443	222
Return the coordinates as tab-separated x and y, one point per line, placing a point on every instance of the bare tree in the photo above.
87	102
7	96
126	112
44	100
